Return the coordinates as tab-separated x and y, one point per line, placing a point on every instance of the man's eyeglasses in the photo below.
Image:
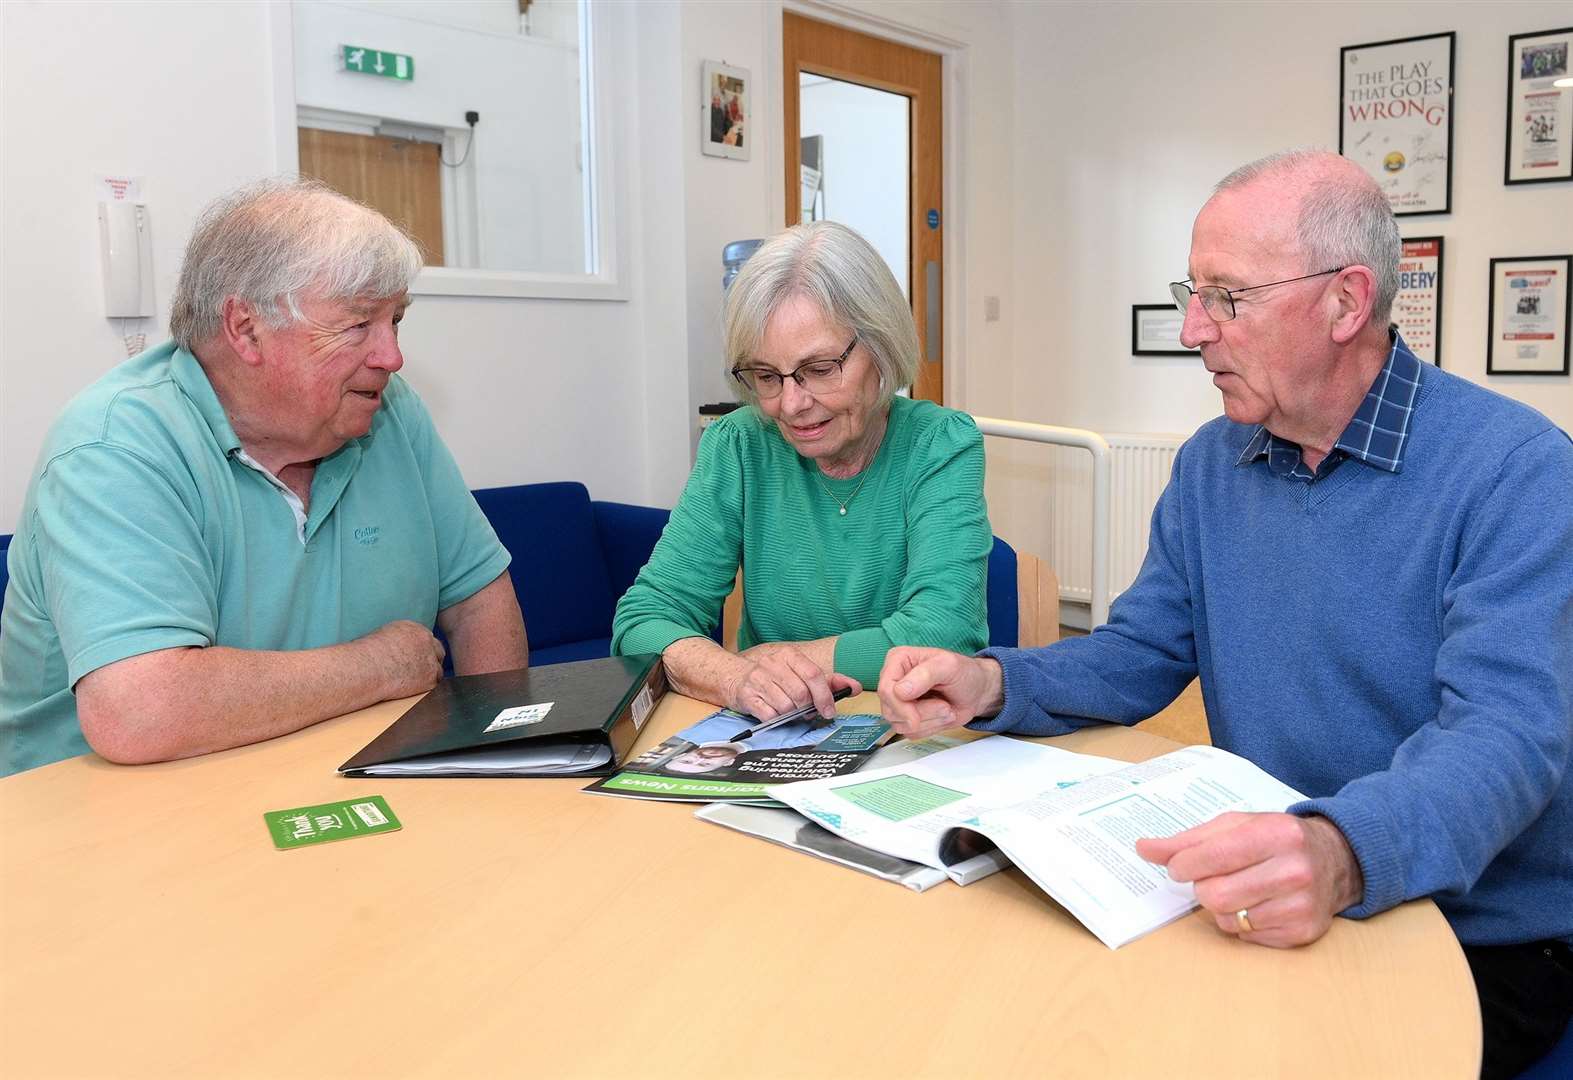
1218	301
816	376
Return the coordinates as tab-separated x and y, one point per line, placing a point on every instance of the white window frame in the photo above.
606	238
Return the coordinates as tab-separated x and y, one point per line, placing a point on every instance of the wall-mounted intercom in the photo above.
127	249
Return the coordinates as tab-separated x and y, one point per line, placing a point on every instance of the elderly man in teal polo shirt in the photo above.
252	527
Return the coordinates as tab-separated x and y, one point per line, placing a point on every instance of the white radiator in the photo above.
1139	468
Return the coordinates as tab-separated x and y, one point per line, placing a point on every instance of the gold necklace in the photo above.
842	503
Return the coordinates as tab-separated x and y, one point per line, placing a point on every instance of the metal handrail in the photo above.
1098	447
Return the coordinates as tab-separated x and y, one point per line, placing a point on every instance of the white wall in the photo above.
1122	159
722	199
1128	113
193	123
523	390
1113	164
493	16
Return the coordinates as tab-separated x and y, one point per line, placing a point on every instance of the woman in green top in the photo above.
857	516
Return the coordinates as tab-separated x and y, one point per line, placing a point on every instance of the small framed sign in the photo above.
724	124
1417	309
1155	331
1539	107
1395	118
1528	329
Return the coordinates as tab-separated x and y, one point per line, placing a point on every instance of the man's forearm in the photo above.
179	703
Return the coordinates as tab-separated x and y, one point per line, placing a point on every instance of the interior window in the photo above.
463	120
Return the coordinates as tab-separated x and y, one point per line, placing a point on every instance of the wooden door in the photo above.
401	178
822	49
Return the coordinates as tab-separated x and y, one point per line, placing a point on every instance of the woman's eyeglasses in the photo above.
816	376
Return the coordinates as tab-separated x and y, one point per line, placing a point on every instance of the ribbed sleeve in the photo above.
680	591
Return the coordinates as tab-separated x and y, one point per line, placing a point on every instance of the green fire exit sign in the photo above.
389	65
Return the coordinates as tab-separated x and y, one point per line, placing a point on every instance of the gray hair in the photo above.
840	272
1345	219
274	241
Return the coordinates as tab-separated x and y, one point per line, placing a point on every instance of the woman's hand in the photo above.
777	677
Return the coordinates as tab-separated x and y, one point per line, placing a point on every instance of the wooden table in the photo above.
520	927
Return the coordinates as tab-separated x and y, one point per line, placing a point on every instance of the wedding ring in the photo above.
1242	919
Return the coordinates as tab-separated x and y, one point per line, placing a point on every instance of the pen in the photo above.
795	714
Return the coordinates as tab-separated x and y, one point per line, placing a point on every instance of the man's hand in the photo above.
777	677
1290	874
405	656
923	691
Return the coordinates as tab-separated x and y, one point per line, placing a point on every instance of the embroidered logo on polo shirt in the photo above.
368	535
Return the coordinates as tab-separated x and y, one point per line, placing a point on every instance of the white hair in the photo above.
274	241
845	277
1345	219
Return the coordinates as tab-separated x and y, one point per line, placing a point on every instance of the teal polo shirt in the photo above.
146	528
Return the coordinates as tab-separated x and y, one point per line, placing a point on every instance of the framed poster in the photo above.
1539	108
1395	118
1528	329
1417	309
1155	331
724	121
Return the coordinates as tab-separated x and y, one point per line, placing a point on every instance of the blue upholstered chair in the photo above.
1557	1065
1023	600
5	572
572	559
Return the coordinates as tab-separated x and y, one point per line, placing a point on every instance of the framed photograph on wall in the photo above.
726	111
1528	329
1395	118
1417	309
1155	331
1539	107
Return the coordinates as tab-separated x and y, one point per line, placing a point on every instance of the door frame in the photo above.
956	80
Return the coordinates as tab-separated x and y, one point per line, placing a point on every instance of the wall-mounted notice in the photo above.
1417	309
1395	119
1539	107
1529	321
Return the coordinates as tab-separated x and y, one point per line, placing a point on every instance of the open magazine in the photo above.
790	829
730	757
1071	829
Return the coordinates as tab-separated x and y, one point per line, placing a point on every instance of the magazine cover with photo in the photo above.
730	757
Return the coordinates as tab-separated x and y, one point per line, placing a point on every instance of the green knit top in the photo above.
906	565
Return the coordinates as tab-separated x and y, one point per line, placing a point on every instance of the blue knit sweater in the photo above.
1397	645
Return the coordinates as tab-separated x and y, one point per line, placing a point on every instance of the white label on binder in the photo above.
642	705
520	715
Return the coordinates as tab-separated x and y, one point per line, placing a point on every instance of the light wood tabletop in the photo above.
521	927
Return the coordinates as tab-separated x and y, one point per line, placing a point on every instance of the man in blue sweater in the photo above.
1369	563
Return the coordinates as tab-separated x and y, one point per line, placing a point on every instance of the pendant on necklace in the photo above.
843	511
